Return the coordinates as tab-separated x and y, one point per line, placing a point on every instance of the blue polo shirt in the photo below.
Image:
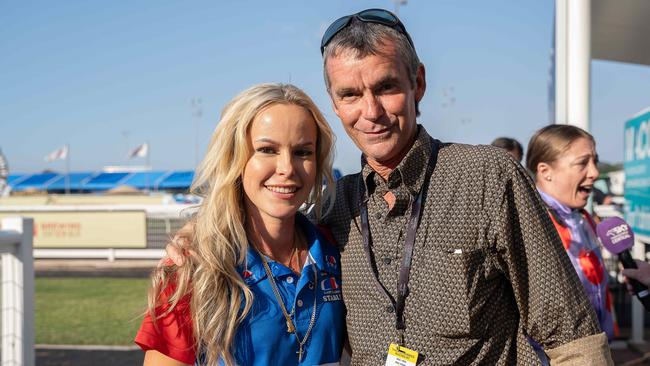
262	338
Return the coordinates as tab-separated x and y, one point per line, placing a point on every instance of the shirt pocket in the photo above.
458	284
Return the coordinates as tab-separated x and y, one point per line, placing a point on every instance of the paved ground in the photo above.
622	353
630	355
71	357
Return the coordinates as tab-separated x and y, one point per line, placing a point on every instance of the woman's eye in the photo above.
265	150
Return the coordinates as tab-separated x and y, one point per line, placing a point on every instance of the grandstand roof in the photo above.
101	181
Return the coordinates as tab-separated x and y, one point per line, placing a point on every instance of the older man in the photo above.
446	248
447	253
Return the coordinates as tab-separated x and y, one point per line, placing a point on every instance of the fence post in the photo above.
18	295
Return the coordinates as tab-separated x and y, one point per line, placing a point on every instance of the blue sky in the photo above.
102	75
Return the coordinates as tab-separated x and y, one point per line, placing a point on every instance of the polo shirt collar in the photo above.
321	252
409	172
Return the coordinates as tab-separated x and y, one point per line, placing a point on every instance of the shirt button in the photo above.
389	308
378	215
289	279
311	286
299	303
387	260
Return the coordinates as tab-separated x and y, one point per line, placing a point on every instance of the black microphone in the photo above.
618	238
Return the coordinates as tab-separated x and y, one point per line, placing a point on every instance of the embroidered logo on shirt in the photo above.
331	289
248	276
330	260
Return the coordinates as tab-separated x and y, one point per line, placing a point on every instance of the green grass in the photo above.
103	311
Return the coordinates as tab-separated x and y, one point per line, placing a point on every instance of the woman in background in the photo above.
563	159
262	286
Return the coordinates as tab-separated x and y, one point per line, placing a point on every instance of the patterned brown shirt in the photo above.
488	266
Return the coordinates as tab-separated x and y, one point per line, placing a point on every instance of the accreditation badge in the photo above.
401	356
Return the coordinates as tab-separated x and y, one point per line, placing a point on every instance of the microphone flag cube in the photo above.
615	234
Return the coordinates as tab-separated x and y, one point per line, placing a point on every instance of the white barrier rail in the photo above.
111	254
17	291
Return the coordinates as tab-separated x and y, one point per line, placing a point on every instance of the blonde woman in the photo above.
263	285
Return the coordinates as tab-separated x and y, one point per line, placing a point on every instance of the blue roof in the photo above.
76	181
12	178
105	181
177	180
143	180
34	181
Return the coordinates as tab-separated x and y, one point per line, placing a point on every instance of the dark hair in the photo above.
548	143
508	144
365	38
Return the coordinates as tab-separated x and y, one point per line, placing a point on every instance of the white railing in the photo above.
110	254
17	291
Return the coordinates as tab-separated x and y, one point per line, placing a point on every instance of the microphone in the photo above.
618	238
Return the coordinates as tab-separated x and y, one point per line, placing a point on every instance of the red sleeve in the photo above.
173	335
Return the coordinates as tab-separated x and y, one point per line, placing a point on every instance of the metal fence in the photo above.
161	229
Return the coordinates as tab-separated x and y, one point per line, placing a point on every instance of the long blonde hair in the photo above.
219	243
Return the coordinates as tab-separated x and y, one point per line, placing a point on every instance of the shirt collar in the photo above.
409	172
324	254
321	252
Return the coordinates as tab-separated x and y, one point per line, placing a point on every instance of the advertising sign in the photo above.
87	229
637	173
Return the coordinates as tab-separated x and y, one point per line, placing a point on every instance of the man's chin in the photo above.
378	151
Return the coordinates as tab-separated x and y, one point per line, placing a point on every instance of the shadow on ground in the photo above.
48	357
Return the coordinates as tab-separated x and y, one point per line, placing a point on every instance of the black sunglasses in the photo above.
379	16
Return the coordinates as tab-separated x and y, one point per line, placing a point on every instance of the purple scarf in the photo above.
584	250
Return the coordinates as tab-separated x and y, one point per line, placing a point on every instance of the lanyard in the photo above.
405	269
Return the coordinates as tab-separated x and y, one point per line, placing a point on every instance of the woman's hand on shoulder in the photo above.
177	249
155	358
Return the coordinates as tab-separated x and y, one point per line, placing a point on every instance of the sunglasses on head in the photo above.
378	16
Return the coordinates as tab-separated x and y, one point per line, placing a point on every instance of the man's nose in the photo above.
373	108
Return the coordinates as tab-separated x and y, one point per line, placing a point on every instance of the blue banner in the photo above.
637	173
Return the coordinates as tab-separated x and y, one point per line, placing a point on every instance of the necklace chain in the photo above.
291	327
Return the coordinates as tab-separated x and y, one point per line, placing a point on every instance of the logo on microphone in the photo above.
618	233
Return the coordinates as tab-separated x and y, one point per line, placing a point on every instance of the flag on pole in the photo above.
57	154
140	151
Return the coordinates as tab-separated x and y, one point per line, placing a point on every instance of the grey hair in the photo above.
366	38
